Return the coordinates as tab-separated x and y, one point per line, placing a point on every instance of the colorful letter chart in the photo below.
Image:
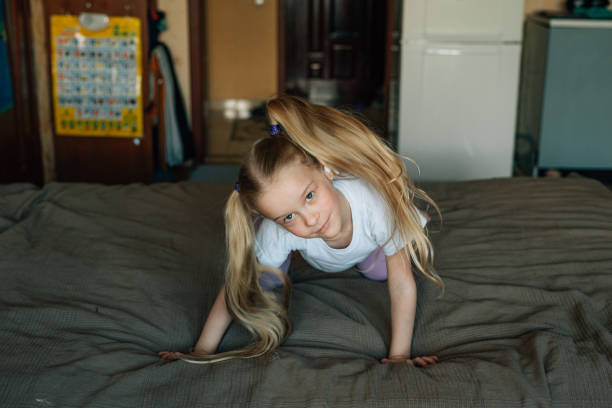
97	78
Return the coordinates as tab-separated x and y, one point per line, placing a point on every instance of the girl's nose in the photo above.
311	218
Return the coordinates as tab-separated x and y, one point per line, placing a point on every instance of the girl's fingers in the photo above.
170	356
417	361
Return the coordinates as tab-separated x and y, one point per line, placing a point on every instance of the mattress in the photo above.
97	279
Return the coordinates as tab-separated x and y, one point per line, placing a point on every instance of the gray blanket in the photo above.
95	280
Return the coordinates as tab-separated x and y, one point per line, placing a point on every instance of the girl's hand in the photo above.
416	361
170	355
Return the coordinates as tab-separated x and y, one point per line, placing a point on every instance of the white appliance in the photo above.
458	87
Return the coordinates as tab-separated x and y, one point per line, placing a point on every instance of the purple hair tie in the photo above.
237	187
274	130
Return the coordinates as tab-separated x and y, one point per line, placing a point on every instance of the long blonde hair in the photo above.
317	135
346	145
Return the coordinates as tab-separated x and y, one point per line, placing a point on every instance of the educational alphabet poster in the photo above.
97	78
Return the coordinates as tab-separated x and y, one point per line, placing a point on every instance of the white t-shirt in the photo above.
372	226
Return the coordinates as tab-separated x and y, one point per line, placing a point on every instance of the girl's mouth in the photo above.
323	227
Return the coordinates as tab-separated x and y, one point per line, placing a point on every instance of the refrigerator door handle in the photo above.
455	51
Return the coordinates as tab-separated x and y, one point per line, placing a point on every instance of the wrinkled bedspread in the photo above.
95	280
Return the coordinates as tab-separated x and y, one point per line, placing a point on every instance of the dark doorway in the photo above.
334	53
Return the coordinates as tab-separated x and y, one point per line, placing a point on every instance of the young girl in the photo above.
331	189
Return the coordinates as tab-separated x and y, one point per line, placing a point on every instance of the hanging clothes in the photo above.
178	136
6	88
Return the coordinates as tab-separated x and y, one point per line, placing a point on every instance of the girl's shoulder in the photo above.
269	228
271	233
273	243
358	191
353	183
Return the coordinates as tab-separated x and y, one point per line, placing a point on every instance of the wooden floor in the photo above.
232	125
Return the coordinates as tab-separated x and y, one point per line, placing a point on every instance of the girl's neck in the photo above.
345	236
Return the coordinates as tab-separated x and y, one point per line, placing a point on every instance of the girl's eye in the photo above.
310	196
288	218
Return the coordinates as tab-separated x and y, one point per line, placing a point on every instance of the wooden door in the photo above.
334	50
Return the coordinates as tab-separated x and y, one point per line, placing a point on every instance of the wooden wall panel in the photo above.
105	159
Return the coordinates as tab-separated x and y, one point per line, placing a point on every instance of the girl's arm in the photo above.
216	324
403	294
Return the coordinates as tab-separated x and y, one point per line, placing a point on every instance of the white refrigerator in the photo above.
458	87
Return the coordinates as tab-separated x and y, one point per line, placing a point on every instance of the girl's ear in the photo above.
328	173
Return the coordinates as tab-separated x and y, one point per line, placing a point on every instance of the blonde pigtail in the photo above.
257	309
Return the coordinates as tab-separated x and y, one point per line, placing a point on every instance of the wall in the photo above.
242	49
177	39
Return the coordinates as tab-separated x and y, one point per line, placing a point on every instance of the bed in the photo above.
95	280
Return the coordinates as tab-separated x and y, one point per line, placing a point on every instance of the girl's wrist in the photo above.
399	356
199	351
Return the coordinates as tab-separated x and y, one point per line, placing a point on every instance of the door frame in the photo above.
198	71
388	59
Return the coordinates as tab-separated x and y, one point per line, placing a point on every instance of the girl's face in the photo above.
302	199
